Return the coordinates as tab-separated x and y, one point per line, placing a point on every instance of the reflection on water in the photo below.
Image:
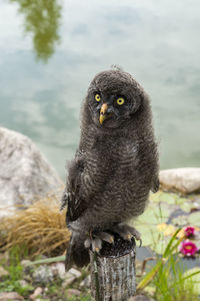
42	20
156	41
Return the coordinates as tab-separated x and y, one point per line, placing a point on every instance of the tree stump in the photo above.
113	271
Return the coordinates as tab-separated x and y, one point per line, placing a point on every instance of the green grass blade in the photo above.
48	260
168	249
187	277
150	275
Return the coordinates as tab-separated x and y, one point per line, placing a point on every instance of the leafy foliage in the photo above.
168	278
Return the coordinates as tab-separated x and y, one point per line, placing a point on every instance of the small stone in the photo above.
3	272
4	256
75	272
58	270
68	280
73	292
23	283
43	275
37	292
10	296
26	264
28	278
85	283
70	276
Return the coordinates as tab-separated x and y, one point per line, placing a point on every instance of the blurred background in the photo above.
50	50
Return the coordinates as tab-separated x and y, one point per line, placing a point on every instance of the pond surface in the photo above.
50	50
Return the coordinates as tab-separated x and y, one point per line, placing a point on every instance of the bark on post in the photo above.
113	271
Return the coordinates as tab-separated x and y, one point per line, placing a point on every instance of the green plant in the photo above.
171	284
15	269
169	250
167	276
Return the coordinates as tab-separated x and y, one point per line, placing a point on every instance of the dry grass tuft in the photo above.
39	229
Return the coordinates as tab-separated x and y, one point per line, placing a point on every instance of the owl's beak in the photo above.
103	112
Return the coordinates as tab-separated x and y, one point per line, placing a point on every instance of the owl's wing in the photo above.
72	196
75	207
155	185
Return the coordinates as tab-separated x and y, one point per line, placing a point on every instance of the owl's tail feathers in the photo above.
76	252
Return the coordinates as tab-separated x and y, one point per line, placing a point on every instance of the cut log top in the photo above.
120	247
113	271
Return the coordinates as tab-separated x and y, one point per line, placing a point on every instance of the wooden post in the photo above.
113	271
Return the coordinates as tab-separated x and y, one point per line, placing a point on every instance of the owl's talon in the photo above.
96	245
127	232
106	237
87	243
94	241
129	237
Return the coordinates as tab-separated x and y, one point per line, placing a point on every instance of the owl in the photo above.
115	165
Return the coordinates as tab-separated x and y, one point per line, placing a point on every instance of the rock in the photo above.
26	264
70	276
38	291
85	283
3	272
184	180
73	292
4	257
58	270
43	275
69	279
28	278
75	272
140	298
23	283
10	296
25	175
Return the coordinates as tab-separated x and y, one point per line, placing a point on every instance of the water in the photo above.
50	50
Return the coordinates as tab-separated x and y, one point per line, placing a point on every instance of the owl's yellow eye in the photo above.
97	97
120	101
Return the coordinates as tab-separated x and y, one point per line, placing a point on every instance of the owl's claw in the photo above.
127	232
87	243
96	245
106	237
95	240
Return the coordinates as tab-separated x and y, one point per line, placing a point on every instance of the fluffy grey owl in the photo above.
115	165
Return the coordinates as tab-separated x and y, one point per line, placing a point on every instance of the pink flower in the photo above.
188	248
189	231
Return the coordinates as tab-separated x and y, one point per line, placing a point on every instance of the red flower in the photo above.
189	231
188	248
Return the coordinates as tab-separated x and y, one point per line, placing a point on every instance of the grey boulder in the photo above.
185	180
25	175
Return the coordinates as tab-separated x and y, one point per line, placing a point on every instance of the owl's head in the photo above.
113	98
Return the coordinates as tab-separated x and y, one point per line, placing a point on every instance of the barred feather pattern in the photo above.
116	165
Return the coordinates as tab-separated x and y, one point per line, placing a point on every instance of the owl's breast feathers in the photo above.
110	176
